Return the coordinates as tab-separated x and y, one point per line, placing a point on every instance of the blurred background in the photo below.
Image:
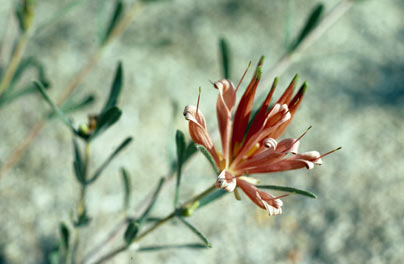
355	71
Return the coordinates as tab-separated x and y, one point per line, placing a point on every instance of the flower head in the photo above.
250	144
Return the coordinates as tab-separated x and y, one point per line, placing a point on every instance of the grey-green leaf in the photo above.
213	196
131	232
181	147
196	231
78	164
225	58
116	89
116	17
75	106
211	160
127	189
165	247
110	158
59	112
64	234
152	201
310	24
106	120
288	189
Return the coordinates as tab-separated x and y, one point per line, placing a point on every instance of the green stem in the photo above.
186	205
81	205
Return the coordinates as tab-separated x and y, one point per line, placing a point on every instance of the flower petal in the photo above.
226	181
244	107
224	106
298	161
198	131
264	200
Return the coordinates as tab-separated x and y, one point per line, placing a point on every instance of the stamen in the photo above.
236	194
252	150
305	132
197	104
242	77
328	153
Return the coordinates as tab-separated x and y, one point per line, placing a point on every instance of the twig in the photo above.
14	62
122	248
120	28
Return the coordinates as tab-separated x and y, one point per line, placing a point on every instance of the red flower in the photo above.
251	146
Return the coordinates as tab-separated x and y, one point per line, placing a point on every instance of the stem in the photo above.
120	28
190	202
14	62
81	205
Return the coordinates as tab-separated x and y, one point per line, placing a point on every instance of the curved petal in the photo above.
198	131
224	107
298	161
226	181
264	200
244	108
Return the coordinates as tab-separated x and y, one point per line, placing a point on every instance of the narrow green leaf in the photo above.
110	158
211	160
190	151
127	189
213	196
116	89
82	220
131	232
116	17
225	58
181	147
152	201
59	112
64	234
165	247
106	120
196	231
75	106
288	189
78	164
310	24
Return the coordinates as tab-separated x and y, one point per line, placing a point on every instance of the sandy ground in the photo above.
355	98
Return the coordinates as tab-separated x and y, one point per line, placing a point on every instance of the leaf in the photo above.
131	232
64	234
152	201
288	189
126	185
10	95
82	220
211	160
78	164
165	247
116	89
310	24
181	145
212	197
225	58
59	112
110	158
75	106
116	17
106	120
196	231
190	151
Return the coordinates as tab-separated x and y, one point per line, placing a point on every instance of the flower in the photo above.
250	145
